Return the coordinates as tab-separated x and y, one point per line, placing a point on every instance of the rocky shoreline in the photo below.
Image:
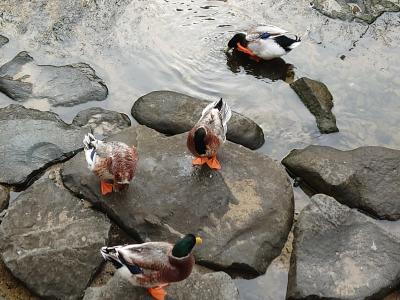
250	195
344	243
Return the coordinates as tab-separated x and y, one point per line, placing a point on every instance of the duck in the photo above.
264	42
209	133
113	162
153	265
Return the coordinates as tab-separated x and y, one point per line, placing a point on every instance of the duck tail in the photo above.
111	254
89	145
296	43
116	257
89	141
225	111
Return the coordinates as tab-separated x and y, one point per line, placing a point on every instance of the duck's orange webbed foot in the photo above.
158	293
198	161
213	163
106	187
247	51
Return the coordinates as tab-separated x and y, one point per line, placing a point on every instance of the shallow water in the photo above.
137	47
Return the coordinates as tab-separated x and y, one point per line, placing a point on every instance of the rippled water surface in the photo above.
141	46
179	45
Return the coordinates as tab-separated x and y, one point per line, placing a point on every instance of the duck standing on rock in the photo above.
154	264
264	42
110	161
209	134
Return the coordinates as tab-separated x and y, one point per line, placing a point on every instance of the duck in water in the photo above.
264	42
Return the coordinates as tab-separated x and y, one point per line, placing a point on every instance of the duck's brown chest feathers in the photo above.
180	269
202	142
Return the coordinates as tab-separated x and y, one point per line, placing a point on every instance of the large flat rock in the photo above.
31	140
173	113
197	286
367	178
361	10
340	253
243	213
51	242
22	79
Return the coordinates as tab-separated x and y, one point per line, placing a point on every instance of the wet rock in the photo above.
340	253
22	79
197	286
31	140
364	10
51	242
3	40
367	178
101	121
4	197
174	113
243	213
317	98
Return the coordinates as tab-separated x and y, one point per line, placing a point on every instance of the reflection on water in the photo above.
275	69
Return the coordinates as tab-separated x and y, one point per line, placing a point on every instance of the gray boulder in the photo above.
319	101
3	40
102	122
349	10
22	79
174	113
51	242
243	212
31	140
4	197
197	286
340	253
367	178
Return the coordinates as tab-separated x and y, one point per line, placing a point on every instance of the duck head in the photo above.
237	38
184	246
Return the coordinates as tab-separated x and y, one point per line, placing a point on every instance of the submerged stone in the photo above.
22	79
349	10
3	40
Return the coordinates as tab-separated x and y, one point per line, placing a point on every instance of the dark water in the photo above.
141	46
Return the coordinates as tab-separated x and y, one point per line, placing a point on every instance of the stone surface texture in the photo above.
244	212
50	241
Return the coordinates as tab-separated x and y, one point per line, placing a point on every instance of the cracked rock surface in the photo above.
31	140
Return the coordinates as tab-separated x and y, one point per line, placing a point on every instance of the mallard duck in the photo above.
154	264
264	42
110	161
209	134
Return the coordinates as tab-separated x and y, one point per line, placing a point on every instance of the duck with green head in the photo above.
154	264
